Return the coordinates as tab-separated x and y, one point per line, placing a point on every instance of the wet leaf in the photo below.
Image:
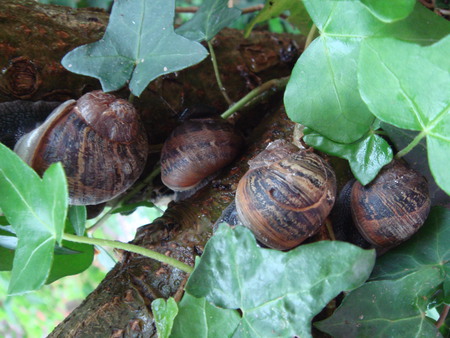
36	208
164	314
394	77
138	46
403	286
211	17
234	273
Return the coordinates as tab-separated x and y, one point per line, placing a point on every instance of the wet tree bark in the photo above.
120	306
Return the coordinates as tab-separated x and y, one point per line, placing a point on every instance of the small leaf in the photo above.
210	321
393	82
211	17
164	314
138	46
366	156
388	10
77	216
36	208
234	273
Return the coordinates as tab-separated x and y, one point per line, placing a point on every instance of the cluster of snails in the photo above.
284	198
97	123
288	193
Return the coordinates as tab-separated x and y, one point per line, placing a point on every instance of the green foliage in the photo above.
135	49
404	284
212	16
365	156
389	10
273	8
77	217
37	210
164	314
234	273
325	82
408	86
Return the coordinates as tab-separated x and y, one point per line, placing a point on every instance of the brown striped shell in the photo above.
100	142
195	150
391	208
286	200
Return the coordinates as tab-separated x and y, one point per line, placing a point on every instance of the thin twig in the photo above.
194	9
443	316
217	74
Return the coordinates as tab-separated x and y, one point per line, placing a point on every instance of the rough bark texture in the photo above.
120	306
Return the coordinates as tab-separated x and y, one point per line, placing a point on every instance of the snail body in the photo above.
285	199
195	150
98	139
391	208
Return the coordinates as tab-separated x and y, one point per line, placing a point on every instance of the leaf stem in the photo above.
217	73
410	146
310	36
131	248
275	84
131	98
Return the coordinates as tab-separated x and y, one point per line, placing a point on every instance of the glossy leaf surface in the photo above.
234	273
36	208
211	17
138	46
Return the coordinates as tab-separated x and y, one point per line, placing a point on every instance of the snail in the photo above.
391	208
195	150
286	195
98	139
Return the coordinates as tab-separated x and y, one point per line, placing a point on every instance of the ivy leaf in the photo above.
234	273
211	17
164	314
388	10
36	208
324	83
273	8
130	208
388	308
366	156
77	216
138	46
409	88
404	282
210	321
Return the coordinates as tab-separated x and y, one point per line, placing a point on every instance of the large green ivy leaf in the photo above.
36	208
388	308
211	17
390	10
323	90
138	46
404	284
365	156
277	292
409	88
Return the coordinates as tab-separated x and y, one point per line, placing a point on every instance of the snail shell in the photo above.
391	208
195	150
284	201
100	142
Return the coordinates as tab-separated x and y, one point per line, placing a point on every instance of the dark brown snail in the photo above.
286	195
195	150
391	208
100	142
